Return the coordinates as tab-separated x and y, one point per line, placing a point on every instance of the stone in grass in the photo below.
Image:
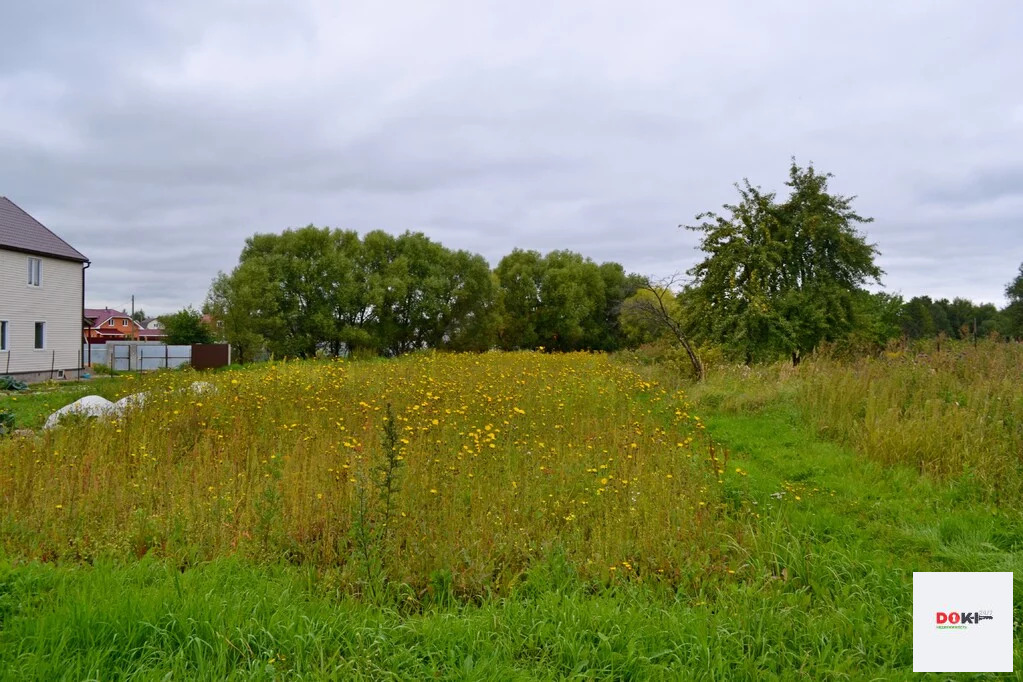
89	406
135	400
201	387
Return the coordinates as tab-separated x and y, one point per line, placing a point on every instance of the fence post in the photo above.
166	356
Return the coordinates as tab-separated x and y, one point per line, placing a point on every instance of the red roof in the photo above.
100	315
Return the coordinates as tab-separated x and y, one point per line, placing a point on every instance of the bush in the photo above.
9	383
363	353
6	422
100	368
666	353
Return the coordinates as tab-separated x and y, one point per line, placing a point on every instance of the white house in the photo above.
42	285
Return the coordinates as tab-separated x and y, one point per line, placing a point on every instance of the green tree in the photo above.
916	319
780	278
423	295
877	321
186	327
571	292
941	318
561	301
606	332
298	268
655	312
471	311
990	319
316	290
961	314
242	302
640	319
1013	313
519	276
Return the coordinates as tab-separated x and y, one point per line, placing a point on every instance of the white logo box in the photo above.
962	622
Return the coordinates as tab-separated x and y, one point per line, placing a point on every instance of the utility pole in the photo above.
133	306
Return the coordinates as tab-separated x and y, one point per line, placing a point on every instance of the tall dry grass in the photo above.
954	412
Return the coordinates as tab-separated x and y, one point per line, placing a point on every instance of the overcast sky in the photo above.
156	136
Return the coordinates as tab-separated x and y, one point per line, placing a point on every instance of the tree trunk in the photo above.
693	358
795	358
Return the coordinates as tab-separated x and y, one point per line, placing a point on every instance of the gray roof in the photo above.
21	232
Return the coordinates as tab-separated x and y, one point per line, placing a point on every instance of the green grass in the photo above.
32	407
822	590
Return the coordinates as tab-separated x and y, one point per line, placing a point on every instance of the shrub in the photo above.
9	383
6	422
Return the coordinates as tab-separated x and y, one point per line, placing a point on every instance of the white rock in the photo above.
89	406
202	387
129	401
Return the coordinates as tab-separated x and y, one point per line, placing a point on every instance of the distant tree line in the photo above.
780	277
920	317
317	290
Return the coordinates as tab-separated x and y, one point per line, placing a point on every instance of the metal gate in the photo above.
210	355
121	356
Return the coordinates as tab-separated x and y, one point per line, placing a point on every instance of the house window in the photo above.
35	272
40	335
3	335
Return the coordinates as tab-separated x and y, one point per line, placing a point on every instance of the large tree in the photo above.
781	277
186	327
519	276
916	318
315	290
561	301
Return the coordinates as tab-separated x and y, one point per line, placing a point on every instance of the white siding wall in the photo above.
57	302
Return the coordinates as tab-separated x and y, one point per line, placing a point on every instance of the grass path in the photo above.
822	590
851	533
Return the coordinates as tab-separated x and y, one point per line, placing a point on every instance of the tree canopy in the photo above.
316	290
186	327
781	277
561	301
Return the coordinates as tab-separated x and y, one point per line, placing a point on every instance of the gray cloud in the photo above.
156	136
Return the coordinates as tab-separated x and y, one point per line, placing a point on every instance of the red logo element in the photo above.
964	617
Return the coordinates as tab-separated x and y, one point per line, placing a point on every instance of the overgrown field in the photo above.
494	461
521	516
953	412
